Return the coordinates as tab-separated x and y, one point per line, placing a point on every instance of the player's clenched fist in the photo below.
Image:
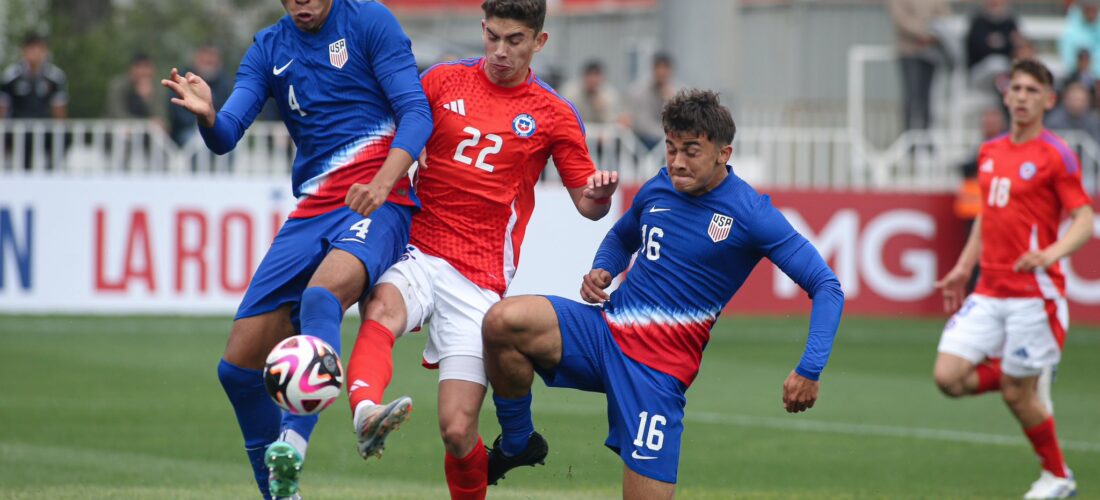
366	198
593	285
799	393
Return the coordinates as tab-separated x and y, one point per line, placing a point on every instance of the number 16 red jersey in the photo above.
487	151
1026	189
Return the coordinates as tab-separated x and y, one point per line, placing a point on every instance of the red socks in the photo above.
370	367
1045	443
989	376
468	477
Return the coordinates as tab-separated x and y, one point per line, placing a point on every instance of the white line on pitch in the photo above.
801	424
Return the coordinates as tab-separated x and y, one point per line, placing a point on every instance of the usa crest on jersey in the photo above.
719	227
338	53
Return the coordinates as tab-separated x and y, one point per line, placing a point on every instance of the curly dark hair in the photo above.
531	13
699	112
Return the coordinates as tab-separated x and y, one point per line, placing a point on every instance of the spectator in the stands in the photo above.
137	93
596	100
1075	113
919	53
1082	74
646	99
990	43
34	87
1081	31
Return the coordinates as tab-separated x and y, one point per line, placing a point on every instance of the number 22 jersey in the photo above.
488	149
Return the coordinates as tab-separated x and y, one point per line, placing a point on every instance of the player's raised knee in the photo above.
386	307
503	320
949	384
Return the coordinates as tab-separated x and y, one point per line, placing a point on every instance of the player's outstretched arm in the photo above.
1079	233
593	200
799	393
192	94
953	285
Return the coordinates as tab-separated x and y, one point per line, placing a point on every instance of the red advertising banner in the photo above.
888	249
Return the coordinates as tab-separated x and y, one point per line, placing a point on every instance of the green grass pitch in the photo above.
130	407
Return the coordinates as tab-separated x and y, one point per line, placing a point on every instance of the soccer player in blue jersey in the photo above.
343	75
697	230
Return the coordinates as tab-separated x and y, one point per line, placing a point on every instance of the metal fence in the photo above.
820	158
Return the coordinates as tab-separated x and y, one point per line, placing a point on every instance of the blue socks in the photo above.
516	426
320	315
257	414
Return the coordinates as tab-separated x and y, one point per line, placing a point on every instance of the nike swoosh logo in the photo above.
279	71
654	209
634	454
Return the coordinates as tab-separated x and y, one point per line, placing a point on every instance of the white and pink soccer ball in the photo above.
303	375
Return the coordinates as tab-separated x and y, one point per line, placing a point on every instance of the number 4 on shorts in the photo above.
361	228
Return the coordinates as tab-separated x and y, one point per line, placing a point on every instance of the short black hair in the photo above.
698	111
662	58
33	38
140	58
1034	68
593	66
532	13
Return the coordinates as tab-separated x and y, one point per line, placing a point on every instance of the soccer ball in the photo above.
303	375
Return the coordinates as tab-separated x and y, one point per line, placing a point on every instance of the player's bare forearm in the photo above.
973	248
593	200
1079	233
799	393
364	199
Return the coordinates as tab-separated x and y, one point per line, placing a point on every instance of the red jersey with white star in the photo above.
488	148
1026	191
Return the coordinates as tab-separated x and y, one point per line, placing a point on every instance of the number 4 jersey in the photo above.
487	151
1026	188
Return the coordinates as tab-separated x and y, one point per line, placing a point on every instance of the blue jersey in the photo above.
693	254
347	94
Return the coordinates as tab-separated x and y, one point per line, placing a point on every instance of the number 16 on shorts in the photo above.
649	435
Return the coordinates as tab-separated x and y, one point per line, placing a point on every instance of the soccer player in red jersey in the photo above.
1029	178
496	125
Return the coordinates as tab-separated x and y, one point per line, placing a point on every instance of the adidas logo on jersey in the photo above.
458	106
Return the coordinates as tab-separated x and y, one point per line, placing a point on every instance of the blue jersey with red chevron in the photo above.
347	94
693	254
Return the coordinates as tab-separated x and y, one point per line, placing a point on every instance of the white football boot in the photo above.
374	422
1051	486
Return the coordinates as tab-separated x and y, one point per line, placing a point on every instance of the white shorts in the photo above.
437	293
1026	333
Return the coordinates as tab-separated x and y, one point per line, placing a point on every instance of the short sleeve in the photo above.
570	151
1067	181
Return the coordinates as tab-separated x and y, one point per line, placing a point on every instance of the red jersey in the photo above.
1026	190
487	150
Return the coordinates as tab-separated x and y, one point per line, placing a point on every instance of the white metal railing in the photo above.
820	158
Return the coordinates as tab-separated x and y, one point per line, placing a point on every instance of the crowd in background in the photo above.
992	42
34	88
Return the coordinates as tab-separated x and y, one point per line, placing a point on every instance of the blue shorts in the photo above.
645	407
377	241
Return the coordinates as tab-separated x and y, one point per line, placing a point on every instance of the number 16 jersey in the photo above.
487	151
